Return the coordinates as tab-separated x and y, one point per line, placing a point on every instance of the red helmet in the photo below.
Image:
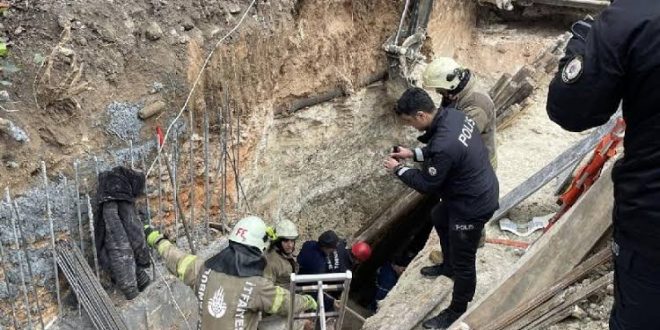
361	251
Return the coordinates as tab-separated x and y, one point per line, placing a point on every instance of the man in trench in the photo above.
457	168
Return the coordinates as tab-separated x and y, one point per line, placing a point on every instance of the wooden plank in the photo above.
532	304
552	170
550	317
497	88
555	254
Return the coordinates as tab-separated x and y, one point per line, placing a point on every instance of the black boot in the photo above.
143	279
442	321
437	270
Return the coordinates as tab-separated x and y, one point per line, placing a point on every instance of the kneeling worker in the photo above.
455	166
230	286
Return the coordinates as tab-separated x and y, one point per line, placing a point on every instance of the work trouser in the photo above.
636	291
459	241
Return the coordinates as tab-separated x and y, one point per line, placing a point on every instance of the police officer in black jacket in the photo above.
613	59
455	166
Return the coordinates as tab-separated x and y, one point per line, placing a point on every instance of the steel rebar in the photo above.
96	166
49	215
76	165
96	301
6	275
207	192
174	178
159	214
237	154
146	200
130	149
19	220
191	193
90	215
224	154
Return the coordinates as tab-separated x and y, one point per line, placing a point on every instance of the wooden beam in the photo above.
532	304
549	317
554	255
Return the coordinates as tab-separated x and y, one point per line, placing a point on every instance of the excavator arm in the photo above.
403	48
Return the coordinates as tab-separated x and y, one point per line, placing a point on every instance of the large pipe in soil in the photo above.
293	105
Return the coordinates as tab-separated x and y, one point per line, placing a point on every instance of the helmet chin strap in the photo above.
465	78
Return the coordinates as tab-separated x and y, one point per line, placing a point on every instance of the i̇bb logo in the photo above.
241	233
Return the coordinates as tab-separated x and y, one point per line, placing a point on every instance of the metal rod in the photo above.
344	300
177	205
224	155
10	298
292	300
403	16
90	215
26	299
27	260
96	166
242	191
146	191
207	189
49	215
69	195
310	278
319	298
130	149
191	192
146	200
159	214
237	160
76	165
174	178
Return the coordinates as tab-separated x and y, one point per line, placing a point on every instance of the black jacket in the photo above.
455	167
618	60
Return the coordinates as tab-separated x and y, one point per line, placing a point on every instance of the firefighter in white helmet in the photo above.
457	85
280	259
230	286
280	263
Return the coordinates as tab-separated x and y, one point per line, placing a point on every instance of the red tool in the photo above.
161	136
508	242
589	173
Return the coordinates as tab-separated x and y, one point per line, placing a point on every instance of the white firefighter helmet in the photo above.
442	72
286	229
250	231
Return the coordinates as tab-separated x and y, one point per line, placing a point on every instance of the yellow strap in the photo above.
184	264
278	300
164	245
